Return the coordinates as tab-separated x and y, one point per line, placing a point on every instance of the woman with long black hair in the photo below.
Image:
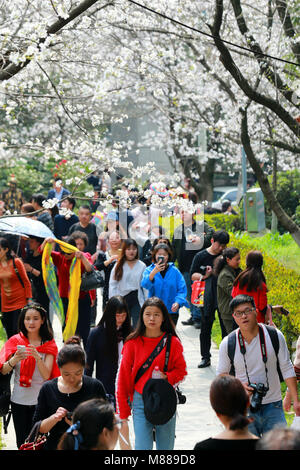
125	279
154	323
105	343
31	354
251	281
104	347
15	285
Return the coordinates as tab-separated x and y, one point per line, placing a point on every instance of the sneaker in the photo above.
204	363
197	325
190	321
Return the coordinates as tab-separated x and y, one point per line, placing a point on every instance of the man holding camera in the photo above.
202	268
255	363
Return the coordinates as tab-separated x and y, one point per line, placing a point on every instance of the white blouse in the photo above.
131	280
27	395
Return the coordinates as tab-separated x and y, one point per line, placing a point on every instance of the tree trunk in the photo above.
282	216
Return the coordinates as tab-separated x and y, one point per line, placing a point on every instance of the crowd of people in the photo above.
83	394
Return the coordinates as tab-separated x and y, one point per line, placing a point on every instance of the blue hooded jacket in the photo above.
170	289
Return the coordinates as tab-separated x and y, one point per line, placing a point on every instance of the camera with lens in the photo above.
260	391
202	270
181	399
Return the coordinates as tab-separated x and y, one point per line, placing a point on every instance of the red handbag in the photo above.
197	297
35	440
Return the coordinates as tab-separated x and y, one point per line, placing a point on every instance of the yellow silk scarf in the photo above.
74	281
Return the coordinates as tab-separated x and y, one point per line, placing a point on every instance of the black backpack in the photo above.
275	343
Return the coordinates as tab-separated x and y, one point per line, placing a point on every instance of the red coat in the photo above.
135	352
259	296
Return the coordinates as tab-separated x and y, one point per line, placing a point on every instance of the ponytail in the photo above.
221	261
239	421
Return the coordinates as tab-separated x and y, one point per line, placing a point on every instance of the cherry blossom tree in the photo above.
69	70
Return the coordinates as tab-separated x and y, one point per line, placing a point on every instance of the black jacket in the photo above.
106	369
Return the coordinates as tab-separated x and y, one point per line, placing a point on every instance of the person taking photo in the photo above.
255	365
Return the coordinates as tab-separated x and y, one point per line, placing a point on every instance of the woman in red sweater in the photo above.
154	322
15	288
252	282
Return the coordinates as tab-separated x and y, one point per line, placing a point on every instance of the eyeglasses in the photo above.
239	314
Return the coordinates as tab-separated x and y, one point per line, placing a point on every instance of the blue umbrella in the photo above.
25	226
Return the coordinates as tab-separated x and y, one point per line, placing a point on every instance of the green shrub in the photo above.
283	283
230	223
283	288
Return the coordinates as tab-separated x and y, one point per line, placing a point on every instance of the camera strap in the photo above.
262	348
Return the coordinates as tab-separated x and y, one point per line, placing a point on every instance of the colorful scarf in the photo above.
50	281
28	365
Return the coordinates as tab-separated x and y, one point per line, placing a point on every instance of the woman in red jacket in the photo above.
252	282
154	322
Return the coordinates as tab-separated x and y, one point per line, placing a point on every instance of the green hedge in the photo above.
283	283
230	223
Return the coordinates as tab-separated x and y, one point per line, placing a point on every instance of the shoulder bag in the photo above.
91	280
159	396
35	439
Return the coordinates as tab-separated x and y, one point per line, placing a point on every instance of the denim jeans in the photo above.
143	430
268	417
195	311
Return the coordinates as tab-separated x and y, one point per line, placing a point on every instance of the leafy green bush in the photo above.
230	223
283	283
283	288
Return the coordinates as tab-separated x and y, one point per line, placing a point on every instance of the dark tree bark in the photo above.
264	184
242	82
268	103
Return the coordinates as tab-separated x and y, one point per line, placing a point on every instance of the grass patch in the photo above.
283	248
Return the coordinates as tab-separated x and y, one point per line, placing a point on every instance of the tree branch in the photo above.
232	68
289	30
266	69
12	69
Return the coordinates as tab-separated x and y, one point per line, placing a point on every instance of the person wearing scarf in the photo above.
28	365
32	354
70	264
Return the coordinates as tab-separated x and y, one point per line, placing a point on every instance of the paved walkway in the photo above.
195	420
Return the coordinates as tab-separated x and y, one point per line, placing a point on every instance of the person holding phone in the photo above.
31	354
59	397
15	286
162	279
